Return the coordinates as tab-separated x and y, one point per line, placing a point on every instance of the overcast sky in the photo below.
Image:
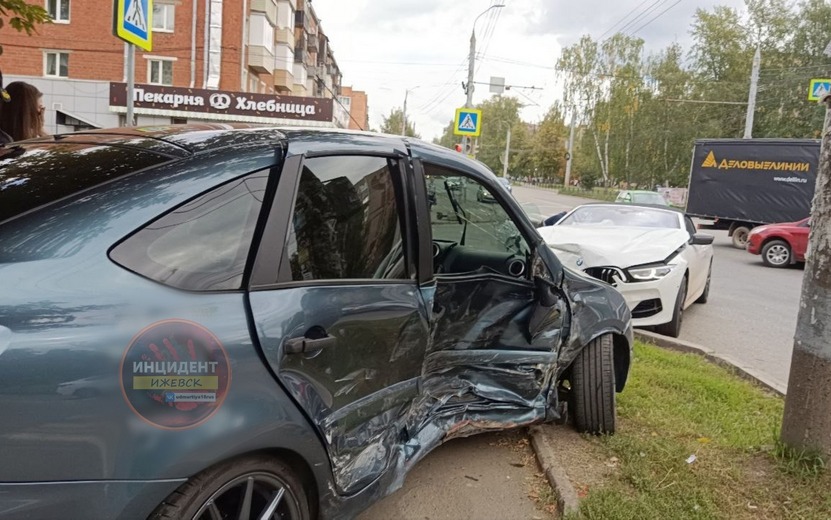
388	46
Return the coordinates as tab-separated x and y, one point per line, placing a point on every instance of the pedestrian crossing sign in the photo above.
134	22
468	122
819	89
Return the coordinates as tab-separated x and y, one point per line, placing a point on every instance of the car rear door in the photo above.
336	306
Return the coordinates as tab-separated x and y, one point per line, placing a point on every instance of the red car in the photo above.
780	244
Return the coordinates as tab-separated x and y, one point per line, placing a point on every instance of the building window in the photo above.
160	72
163	15
58	10
56	64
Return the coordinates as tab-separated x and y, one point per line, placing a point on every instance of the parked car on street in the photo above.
651	254
641	197
483	195
276	323
780	244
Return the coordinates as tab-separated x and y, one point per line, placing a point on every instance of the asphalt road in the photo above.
751	314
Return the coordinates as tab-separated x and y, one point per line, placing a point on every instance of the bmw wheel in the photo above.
255	487
673	328
776	253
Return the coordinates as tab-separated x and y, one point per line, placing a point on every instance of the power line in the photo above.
632	11
646	12
655	18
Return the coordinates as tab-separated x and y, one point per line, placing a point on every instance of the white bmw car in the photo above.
652	255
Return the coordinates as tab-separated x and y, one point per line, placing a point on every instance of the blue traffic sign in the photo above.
468	122
133	22
819	89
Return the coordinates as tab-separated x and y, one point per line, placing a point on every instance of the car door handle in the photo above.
300	345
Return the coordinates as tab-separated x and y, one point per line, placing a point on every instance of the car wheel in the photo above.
740	236
254	487
673	328
776	253
593	387
706	294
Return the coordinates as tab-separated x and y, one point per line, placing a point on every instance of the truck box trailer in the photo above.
737	184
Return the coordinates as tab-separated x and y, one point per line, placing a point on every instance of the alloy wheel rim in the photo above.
777	255
252	496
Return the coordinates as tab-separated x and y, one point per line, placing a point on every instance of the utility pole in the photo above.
570	152
471	66
751	99
404	114
131	84
806	425
507	153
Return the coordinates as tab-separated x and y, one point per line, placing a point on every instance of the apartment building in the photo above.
356	103
257	61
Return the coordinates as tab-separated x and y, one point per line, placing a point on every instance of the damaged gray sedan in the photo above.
218	322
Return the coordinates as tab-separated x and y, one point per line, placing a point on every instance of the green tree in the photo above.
393	123
548	146
22	16
498	114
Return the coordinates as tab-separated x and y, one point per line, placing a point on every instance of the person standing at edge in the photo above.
22	116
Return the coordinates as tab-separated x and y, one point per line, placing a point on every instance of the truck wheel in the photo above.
673	328
593	387
253	487
776	253
740	236
706	294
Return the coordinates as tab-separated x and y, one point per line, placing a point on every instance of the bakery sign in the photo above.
192	100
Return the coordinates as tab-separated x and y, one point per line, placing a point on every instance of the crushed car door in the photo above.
343	327
491	359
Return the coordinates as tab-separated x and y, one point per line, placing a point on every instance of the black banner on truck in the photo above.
754	180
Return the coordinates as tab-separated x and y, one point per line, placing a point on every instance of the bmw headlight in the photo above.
651	273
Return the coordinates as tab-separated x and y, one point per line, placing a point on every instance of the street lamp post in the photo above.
404	115
471	65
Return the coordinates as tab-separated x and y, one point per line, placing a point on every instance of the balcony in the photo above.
313	44
283	81
285	36
266	7
299	18
260	58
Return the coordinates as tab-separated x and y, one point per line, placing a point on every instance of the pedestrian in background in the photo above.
4	98
22	116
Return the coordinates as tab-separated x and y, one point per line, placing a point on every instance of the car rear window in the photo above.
36	174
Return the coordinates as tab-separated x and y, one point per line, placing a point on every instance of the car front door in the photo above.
699	260
491	360
337	309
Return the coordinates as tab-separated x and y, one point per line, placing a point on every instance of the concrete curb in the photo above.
712	356
552	466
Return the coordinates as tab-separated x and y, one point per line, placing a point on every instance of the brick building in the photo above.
261	61
356	102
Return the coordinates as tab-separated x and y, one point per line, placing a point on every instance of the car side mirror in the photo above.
701	239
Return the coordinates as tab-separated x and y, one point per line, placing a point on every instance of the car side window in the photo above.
346	222
203	244
465	212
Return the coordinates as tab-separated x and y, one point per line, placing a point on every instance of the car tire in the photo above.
706	294
740	236
673	328
593	387
777	253
221	487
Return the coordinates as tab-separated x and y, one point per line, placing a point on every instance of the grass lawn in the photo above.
679	405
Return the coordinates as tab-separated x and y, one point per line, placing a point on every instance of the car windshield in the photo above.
621	216
648	198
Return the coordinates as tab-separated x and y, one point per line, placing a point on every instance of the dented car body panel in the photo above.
467	324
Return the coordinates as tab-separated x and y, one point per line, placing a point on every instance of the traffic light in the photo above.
458	147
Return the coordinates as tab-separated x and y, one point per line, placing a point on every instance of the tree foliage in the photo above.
22	16
392	124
